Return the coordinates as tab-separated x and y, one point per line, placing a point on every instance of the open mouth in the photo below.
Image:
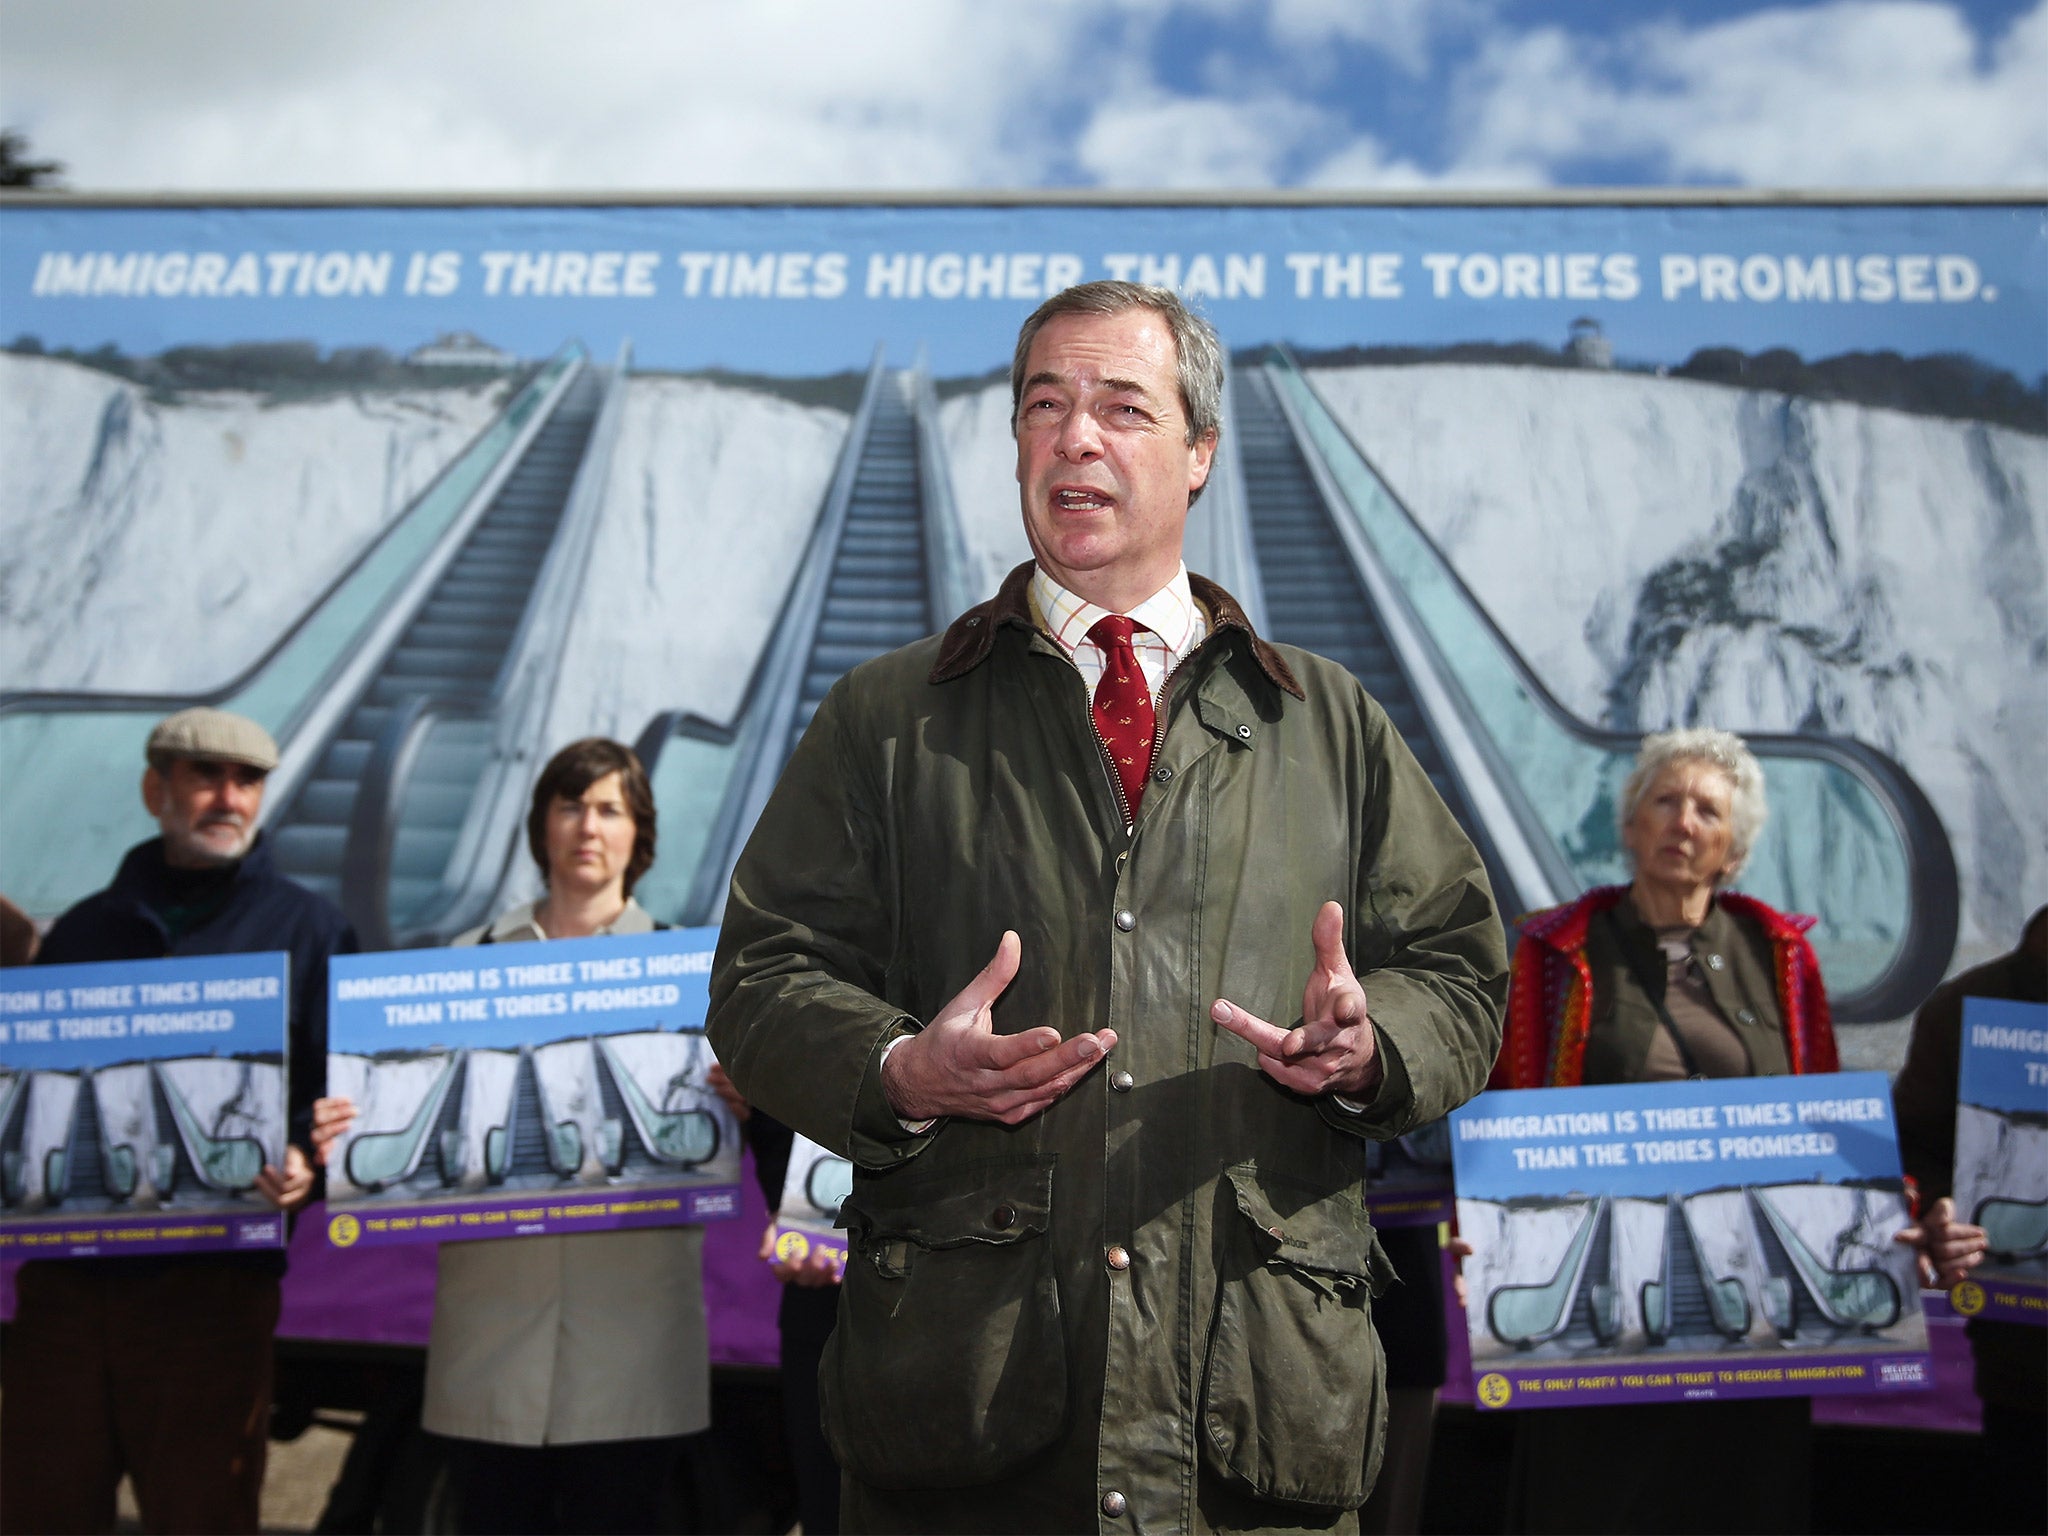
1079	499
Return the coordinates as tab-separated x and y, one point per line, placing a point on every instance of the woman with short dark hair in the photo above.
564	1369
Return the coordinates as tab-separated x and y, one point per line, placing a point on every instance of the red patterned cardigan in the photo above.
1550	992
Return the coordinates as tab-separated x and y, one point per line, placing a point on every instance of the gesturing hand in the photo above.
1333	1049
958	1064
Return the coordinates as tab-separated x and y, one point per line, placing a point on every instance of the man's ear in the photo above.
1203	457
154	791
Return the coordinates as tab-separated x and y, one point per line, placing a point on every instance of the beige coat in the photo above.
559	1340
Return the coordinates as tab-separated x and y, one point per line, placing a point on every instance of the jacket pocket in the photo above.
948	1367
1293	1405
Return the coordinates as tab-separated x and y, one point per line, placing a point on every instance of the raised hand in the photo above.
331	1117
291	1188
1333	1049
1946	1248
958	1065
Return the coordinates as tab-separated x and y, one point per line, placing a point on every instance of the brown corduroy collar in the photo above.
970	638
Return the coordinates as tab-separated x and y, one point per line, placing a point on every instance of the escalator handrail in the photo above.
374	816
1540	875
769	707
524	690
1219	534
87	700
1931	867
949	575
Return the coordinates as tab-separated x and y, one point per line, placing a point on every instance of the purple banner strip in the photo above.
1646	1381
98	1238
2002	1298
542	1214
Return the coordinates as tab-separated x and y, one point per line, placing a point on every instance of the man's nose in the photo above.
1080	438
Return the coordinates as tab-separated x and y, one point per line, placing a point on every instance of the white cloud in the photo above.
1849	94
787	95
1156	140
1404	31
527	95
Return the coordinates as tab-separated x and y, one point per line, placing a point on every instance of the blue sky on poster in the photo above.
645	95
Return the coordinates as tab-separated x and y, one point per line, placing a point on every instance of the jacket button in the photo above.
1121	1081
1003	1217
1716	963
1162	774
1745	1015
1127	920
1118	1257
1114	1504
1244	733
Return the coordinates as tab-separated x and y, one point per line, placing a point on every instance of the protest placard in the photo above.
139	1101
2001	1179
1704	1239
514	1090
807	1216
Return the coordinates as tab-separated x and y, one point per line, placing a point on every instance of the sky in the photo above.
654	96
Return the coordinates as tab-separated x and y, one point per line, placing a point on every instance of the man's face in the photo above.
207	810
1104	468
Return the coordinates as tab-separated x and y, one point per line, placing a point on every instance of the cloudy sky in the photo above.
960	95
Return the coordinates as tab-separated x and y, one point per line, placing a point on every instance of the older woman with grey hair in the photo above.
1670	976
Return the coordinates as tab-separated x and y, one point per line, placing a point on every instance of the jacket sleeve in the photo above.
1924	1094
1426	942
798	1016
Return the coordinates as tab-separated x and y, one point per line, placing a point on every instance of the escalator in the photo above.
1850	837
1684	1301
453	652
1317	599
529	1160
883	568
875	597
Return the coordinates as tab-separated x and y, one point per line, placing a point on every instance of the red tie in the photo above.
1123	706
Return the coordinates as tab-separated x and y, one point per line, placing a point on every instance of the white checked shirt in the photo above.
1174	626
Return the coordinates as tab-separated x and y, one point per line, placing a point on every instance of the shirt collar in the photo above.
522	923
1171	613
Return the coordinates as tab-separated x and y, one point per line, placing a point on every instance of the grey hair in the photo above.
1719	749
1198	354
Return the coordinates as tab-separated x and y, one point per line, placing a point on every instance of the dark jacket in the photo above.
1575	1016
258	910
1159	1289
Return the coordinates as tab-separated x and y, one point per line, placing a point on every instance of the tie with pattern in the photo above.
1123	706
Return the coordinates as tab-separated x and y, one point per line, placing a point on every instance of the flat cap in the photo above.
215	734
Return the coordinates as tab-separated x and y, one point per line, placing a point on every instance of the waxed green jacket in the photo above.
1148	1308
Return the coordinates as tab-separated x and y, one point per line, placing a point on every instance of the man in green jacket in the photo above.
1023	931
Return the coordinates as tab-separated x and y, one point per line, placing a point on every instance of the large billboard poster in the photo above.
140	1102
431	490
